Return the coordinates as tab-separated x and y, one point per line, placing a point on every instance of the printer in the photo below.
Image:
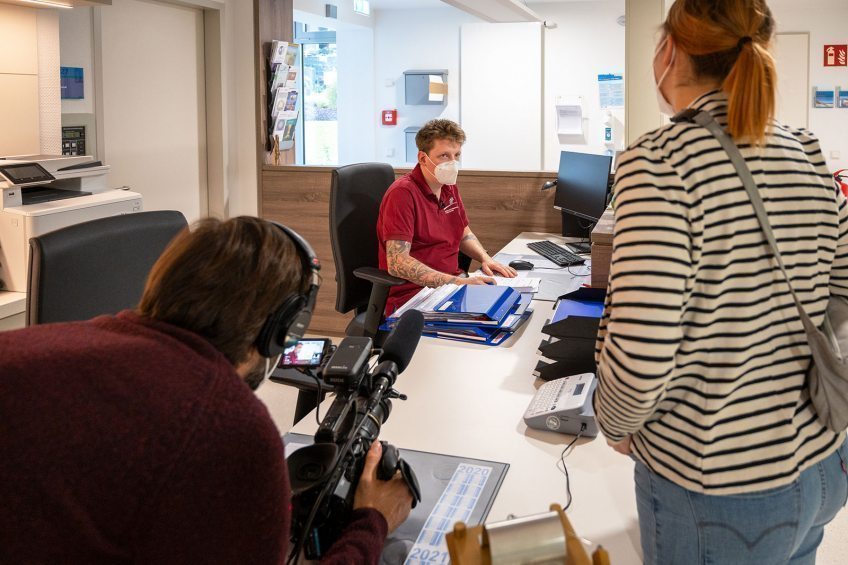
42	193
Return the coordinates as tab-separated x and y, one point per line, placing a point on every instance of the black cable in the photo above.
317	397
573	274
588	226
565	452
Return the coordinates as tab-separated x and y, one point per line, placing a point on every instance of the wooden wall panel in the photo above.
500	205
299	197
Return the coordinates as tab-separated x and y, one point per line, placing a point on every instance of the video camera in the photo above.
325	474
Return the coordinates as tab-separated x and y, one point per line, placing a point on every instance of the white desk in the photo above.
12	310
468	400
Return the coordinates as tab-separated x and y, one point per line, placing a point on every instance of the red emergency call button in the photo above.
389	117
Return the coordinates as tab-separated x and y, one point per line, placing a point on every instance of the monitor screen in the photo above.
582	184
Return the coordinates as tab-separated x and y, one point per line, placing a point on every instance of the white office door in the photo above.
792	58
153	103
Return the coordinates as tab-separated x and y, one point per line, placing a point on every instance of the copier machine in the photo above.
42	193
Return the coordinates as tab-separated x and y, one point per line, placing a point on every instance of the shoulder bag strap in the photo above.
705	119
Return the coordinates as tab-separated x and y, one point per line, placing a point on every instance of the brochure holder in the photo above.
282	94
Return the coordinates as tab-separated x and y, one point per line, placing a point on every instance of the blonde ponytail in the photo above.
750	89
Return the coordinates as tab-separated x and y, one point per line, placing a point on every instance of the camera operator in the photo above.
136	437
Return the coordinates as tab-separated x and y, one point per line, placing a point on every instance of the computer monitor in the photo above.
583	185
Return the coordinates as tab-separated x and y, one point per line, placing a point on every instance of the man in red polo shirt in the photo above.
422	225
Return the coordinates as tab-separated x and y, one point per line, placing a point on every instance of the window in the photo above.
319	127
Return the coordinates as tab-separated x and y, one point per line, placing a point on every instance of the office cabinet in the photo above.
411	149
425	88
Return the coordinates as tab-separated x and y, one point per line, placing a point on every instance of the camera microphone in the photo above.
397	353
401	343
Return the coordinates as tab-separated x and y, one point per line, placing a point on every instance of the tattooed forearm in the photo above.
472	247
402	265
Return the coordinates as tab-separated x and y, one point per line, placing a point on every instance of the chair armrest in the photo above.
381	282
377	276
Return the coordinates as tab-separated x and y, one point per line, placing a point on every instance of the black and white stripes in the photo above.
701	353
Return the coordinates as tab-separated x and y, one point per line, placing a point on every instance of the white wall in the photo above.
586	42
429	39
408	40
827	23
76	51
644	18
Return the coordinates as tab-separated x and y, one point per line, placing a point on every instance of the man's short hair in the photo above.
222	279
438	129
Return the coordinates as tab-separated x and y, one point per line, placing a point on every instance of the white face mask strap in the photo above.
670	63
431	161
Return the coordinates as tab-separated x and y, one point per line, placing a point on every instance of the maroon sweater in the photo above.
126	439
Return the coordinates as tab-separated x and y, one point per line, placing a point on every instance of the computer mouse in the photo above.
519	265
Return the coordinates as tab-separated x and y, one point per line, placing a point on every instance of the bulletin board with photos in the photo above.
283	94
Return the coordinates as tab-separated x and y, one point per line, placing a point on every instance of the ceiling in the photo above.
405	4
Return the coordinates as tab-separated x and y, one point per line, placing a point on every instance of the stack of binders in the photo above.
572	332
476	313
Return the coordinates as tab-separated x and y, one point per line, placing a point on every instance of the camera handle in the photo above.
391	463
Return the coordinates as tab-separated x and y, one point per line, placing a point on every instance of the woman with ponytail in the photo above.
701	353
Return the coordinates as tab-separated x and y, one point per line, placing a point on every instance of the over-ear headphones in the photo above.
285	326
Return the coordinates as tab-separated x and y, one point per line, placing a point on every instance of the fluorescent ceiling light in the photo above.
49	3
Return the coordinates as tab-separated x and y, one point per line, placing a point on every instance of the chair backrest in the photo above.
355	197
97	267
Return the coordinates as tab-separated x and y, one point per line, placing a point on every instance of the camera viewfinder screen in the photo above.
306	353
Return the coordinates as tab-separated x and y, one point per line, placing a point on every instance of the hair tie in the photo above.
743	41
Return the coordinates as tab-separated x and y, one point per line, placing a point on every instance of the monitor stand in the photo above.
572	226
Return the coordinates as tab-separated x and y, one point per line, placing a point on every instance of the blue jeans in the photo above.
781	525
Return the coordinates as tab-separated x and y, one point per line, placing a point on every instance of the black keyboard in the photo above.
559	255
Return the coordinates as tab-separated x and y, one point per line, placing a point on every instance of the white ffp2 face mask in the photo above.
665	106
447	172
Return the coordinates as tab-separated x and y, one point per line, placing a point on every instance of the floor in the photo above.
281	400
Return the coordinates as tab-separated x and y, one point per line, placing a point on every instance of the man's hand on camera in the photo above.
391	498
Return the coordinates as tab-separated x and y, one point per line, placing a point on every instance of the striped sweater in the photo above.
701	353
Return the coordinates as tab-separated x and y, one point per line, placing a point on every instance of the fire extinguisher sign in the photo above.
836	55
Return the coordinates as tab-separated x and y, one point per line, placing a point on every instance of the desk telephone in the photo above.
564	405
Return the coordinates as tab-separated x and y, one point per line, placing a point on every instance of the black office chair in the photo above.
355	196
97	267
